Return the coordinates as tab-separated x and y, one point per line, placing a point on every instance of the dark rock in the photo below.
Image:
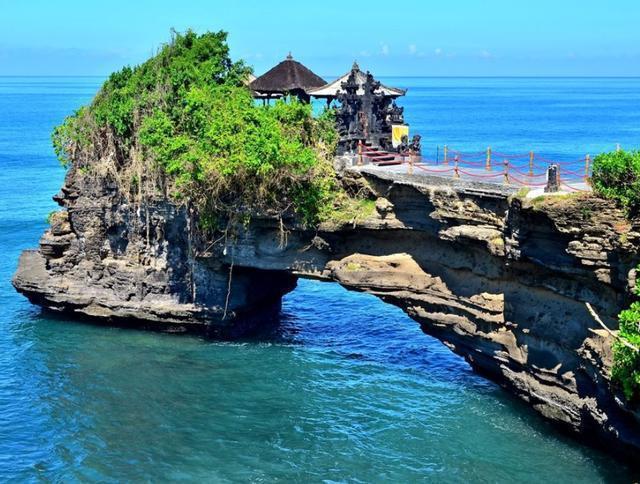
502	282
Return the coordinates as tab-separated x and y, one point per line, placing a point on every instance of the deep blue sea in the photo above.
344	389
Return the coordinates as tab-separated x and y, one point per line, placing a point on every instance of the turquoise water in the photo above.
561	118
344	389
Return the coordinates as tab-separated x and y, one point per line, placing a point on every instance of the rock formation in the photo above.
500	280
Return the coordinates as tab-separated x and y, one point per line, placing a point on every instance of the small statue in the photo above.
396	114
404	144
415	146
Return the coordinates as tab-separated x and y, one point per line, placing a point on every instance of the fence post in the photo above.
506	172
488	165
587	163
530	163
360	152
446	155
456	174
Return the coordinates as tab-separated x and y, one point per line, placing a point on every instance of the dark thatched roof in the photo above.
287	76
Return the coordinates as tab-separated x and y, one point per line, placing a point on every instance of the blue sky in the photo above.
409	37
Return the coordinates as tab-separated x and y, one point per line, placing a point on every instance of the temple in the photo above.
366	111
333	89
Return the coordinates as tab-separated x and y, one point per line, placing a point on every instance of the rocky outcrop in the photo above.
136	264
500	280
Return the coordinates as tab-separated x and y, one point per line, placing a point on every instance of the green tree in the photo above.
187	113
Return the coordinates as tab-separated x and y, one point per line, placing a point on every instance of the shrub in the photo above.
626	356
616	175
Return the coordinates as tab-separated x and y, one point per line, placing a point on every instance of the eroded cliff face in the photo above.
501	281
137	264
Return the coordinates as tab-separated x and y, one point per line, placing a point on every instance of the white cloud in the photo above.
485	54
413	49
384	48
365	53
438	51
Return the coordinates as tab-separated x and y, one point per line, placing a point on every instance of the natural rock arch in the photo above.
501	283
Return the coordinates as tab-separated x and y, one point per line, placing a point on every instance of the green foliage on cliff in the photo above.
616	175
185	123
626	354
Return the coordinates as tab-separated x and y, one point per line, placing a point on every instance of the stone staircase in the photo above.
377	156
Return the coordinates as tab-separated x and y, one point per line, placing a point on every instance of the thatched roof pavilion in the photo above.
330	91
288	77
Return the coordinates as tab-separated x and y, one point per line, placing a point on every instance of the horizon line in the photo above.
98	76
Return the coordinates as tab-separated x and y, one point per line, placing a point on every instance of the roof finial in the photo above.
289	57
355	67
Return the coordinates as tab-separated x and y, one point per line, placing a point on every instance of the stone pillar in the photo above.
553	179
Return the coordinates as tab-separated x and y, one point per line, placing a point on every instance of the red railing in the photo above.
526	169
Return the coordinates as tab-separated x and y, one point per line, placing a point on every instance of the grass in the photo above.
552	199
352	211
522	193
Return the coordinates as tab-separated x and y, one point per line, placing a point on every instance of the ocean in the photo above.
344	389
